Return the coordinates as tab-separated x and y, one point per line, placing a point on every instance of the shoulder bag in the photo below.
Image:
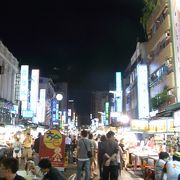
89	153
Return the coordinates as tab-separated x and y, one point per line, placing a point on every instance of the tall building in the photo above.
8	70
99	99
48	85
161	55
135	85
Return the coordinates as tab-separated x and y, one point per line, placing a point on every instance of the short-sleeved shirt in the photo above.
84	145
159	168
173	170
110	147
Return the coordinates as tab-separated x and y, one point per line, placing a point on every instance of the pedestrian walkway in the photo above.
128	175
125	175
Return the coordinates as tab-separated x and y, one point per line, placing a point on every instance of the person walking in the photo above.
100	155
36	149
93	164
110	164
68	150
17	146
27	145
83	147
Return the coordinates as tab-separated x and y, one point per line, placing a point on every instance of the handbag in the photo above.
89	153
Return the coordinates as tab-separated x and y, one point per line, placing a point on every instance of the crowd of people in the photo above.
94	155
101	155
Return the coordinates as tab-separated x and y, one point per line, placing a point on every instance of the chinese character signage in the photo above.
24	83
52	146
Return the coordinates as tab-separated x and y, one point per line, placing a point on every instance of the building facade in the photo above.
99	99
9	67
135	83
161	59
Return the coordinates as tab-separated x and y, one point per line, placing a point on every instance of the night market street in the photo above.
125	175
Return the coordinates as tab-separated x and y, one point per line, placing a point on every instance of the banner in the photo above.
52	146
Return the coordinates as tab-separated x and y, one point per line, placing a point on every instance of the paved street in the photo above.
70	171
125	175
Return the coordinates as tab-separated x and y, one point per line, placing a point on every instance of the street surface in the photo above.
125	175
71	171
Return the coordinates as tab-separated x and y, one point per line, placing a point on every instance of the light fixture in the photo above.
59	97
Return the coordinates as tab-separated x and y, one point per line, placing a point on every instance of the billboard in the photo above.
34	89
41	108
24	83
143	97
118	92
175	16
52	146
176	118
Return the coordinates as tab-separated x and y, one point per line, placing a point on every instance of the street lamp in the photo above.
59	97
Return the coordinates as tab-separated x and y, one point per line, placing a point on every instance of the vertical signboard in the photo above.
52	146
53	110
42	106
34	89
118	92
175	16
24	83
176	118
143	97
106	113
24	86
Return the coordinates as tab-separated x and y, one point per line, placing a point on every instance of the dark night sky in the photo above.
87	40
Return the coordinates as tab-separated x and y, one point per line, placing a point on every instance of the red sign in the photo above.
52	146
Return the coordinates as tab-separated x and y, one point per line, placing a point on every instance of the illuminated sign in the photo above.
57	111
106	113
143	97
118	92
177	119
175	13
41	106
24	83
118	81
27	114
139	125
158	126
53	110
34	89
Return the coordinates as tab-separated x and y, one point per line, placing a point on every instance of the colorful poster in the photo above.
52	146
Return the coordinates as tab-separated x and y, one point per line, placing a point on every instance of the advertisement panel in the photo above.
24	83
158	126
139	125
118	92
52	146
143	97
175	16
41	108
177	118
34	89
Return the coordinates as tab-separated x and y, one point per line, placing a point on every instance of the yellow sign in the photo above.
52	139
